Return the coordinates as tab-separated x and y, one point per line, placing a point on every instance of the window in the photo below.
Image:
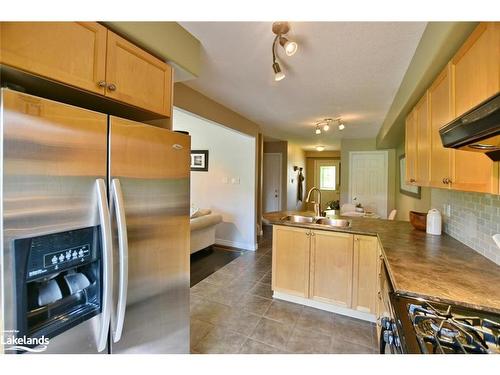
327	176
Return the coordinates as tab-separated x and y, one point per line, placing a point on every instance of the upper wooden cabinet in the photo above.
441	158
476	68
471	77
291	248
136	77
411	138
70	52
88	56
331	267
364	296
423	141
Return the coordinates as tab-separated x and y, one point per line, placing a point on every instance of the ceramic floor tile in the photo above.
262	290
309	342
267	278
272	333
220	341
255	304
284	312
240	321
210	312
198	330
255	347
316	320
345	347
355	331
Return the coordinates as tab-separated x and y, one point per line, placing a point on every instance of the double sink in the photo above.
334	223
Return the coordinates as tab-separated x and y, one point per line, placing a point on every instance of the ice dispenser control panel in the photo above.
49	254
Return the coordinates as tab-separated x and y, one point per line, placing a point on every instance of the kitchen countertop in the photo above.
437	268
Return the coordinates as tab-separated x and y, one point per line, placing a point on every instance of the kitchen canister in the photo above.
434	222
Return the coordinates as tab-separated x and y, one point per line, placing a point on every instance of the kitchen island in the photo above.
437	268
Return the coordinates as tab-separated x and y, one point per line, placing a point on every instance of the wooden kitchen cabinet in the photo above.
476	68
471	77
441	158
135	77
88	56
364	291
331	267
423	141
290	263
70	52
411	149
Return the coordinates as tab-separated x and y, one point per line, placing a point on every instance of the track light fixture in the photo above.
290	47
325	124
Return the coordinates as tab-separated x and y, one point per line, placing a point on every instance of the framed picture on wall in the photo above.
410	190
199	160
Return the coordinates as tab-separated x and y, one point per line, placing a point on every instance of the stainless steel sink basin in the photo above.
298	219
338	223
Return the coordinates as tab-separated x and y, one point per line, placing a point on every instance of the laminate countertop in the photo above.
437	268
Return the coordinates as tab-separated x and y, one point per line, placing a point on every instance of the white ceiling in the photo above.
341	69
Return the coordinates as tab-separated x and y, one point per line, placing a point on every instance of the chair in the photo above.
392	215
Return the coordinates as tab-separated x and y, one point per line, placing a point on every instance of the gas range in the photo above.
422	326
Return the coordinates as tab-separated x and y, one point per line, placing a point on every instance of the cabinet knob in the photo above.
101	83
111	87
412	180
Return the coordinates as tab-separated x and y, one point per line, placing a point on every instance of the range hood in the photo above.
476	130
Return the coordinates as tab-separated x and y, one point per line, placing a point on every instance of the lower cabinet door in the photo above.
290	270
364	292
331	267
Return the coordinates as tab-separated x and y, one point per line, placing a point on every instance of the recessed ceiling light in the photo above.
320	148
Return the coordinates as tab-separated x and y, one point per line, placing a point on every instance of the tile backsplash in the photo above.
474	219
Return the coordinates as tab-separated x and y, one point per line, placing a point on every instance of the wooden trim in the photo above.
325	306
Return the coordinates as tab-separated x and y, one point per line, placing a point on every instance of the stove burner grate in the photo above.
446	332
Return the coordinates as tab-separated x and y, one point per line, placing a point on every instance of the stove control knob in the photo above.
397	342
385	322
388	337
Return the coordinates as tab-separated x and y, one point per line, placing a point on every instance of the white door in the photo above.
272	182
368	180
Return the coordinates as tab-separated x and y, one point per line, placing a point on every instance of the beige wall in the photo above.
192	101
405	203
280	147
296	157
365	144
326	196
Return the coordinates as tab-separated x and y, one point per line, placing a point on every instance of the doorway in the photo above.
271	184
368	180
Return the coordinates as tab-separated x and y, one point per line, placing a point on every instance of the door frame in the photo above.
386	173
280	176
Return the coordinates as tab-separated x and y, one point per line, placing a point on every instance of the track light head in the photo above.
278	74
289	46
341	126
318	130
326	127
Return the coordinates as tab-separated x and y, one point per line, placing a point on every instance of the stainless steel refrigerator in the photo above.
95	226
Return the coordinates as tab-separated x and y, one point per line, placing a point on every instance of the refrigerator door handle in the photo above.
117	201
107	264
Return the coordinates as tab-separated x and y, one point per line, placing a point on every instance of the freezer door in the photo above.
149	170
52	156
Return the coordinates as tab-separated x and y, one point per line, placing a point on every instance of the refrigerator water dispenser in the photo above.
58	281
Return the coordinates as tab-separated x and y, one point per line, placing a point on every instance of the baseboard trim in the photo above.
236	244
325	306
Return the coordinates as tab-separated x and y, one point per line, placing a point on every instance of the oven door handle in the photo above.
107	263
117	202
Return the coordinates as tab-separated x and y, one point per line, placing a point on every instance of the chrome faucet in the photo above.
317	205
